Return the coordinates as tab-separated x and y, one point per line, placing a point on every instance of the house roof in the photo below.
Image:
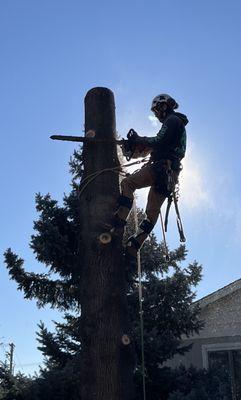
219	294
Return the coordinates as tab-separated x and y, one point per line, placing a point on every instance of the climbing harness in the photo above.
141	312
164	176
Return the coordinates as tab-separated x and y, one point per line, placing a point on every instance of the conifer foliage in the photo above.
167	288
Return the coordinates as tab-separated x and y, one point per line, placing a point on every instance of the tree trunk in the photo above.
106	362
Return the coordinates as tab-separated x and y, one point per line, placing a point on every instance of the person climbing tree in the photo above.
167	149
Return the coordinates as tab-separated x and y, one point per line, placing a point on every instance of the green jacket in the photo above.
170	141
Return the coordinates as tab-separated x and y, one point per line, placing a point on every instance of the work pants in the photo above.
141	179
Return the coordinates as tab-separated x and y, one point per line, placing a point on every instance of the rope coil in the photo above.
89	178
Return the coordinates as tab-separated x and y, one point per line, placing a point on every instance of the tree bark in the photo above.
106	362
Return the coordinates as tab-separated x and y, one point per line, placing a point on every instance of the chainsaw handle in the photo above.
132	134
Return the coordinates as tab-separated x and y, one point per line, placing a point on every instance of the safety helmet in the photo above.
163	98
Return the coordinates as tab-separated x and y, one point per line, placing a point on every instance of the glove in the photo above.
141	140
134	138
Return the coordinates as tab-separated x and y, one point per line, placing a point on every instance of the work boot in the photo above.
135	242
132	247
116	226
131	252
124	206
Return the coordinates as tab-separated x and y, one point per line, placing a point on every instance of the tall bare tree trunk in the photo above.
107	359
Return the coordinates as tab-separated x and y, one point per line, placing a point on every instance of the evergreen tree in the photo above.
13	387
194	384
167	288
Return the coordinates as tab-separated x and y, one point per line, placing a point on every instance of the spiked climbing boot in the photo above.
124	207
117	224
119	220
135	242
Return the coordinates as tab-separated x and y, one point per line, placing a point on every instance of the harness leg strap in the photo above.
146	226
125	201
138	239
123	210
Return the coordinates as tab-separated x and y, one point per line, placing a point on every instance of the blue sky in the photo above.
52	53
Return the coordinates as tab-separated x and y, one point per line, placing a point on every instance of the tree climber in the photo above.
167	149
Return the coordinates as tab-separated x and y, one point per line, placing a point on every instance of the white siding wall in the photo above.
223	317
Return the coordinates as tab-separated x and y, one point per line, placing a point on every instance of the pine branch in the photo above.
54	347
70	329
39	286
55	243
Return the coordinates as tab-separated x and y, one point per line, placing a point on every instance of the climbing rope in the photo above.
141	299
88	179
